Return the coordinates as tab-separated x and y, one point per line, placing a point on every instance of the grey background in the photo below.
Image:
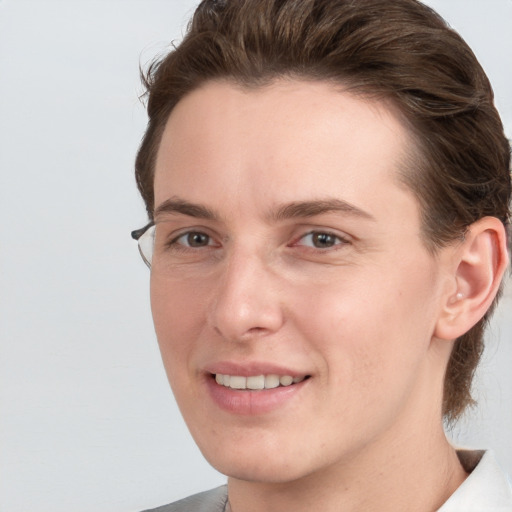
86	418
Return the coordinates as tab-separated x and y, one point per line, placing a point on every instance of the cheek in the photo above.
367	326
178	314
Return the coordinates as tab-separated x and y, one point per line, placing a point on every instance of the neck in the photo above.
418	474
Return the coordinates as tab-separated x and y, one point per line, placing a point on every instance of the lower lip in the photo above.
247	402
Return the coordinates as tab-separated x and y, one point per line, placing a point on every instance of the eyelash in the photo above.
175	244
337	241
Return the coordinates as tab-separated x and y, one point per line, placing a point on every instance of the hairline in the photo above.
410	161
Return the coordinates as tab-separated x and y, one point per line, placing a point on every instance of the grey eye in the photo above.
320	240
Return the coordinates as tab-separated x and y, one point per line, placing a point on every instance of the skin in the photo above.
366	316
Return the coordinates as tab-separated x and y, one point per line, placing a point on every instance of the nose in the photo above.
247	301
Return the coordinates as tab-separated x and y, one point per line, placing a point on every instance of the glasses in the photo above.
146	239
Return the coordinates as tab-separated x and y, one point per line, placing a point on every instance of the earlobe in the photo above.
481	262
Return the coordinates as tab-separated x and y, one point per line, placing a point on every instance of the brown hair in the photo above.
398	50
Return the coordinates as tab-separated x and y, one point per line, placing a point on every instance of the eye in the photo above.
193	239
321	240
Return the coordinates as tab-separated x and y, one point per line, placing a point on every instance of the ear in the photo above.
479	265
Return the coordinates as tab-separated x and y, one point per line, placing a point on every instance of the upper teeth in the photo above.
256	381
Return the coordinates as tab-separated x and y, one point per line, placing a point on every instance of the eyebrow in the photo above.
176	205
305	209
296	209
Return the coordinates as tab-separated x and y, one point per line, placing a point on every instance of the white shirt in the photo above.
486	489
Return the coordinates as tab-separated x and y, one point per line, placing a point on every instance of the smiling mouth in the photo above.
257	382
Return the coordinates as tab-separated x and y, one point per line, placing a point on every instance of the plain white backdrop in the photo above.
86	418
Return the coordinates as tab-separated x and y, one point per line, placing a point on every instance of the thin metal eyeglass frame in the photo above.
136	234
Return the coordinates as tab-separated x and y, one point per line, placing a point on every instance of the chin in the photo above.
263	471
259	464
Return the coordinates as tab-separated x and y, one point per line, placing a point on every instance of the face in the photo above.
288	254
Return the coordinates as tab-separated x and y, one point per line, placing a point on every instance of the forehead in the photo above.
279	143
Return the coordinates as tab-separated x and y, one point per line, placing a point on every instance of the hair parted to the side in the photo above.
397	50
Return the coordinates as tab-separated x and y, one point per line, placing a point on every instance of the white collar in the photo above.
486	489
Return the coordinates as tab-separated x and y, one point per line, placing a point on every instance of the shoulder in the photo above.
209	501
487	487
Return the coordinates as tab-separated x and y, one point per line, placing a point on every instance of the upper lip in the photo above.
248	369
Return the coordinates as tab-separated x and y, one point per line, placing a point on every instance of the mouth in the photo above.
255	388
257	382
